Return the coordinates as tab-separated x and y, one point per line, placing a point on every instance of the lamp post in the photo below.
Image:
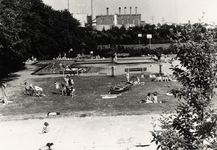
91	54
112	55
139	36
112	66
149	36
62	67
160	69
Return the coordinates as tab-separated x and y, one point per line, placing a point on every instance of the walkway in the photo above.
71	133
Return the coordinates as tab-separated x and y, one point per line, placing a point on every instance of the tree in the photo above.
13	42
31	28
194	122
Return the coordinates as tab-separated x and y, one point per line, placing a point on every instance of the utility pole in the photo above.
92	8
91	12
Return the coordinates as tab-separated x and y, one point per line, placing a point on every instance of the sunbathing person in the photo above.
34	90
149	98
38	91
29	89
154	98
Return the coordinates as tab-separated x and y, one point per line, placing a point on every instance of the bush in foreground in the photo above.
193	126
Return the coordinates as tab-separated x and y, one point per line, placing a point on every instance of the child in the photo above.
45	128
72	94
57	85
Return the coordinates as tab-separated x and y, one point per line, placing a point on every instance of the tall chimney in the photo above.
125	10
130	10
136	10
107	10
119	10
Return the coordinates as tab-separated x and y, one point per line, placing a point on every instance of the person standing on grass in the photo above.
70	82
5	100
138	80
72	92
63	88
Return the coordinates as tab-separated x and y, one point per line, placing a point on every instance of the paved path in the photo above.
71	133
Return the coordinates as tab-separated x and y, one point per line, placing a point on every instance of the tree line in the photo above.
31	28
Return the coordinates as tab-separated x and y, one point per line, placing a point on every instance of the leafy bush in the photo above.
193	125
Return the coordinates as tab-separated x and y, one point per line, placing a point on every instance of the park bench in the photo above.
71	72
135	69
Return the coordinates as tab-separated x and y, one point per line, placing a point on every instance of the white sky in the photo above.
176	11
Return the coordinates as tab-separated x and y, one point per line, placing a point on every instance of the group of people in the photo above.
133	79
67	87
33	90
151	98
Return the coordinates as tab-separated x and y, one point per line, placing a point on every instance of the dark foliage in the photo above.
31	28
193	126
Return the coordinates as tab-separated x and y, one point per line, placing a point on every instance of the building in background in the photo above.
118	20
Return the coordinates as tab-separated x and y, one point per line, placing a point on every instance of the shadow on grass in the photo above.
9	78
56	93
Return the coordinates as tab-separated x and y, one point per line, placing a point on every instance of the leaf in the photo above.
153	134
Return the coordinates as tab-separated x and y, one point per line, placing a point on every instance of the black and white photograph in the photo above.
108	74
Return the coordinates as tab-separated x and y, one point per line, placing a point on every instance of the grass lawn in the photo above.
88	98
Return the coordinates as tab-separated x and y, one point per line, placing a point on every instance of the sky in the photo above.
152	11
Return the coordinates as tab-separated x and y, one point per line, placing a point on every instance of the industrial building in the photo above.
118	20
